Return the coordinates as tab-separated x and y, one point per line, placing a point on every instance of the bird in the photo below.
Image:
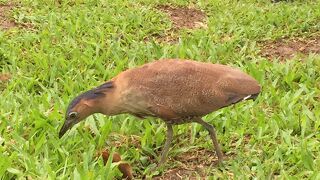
178	91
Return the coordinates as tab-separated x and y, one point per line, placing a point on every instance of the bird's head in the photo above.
84	105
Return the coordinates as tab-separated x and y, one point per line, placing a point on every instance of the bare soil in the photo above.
195	163
192	164
5	21
288	48
184	17
181	17
4	77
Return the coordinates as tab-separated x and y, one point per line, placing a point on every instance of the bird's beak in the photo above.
66	126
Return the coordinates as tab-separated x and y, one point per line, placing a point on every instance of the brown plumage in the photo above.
177	91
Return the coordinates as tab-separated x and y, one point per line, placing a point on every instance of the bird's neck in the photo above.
110	105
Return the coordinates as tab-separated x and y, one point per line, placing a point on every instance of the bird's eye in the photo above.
73	115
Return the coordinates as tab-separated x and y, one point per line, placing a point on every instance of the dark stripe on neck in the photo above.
91	94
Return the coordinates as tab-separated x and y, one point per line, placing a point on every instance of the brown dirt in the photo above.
183	17
192	164
196	163
5	77
288	48
5	21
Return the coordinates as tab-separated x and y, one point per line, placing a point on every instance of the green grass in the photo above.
76	45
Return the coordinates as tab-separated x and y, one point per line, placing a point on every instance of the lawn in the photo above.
50	51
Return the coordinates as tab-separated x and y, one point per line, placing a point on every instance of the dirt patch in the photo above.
5	21
177	174
192	165
4	77
183	17
288	48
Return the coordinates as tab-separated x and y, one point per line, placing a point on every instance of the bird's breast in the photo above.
135	102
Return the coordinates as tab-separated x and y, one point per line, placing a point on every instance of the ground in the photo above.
51	52
5	21
184	17
285	48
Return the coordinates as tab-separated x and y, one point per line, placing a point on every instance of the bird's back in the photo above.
174	89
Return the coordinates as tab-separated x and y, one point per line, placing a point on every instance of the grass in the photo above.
72	46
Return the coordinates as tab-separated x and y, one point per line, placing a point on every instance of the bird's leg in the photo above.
167	144
213	136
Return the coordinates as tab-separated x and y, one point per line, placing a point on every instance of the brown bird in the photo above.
177	91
